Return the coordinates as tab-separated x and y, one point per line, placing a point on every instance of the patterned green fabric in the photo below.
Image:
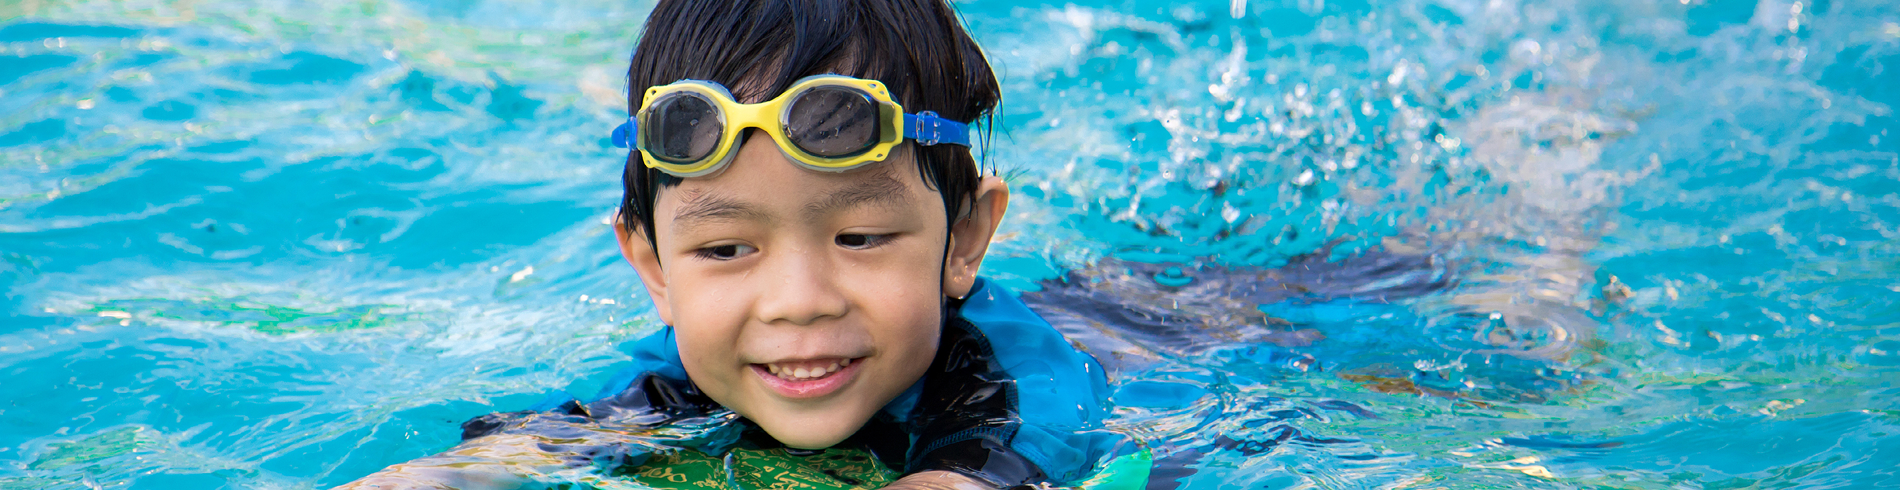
759	469
831	469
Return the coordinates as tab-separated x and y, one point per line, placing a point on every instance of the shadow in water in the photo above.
1131	314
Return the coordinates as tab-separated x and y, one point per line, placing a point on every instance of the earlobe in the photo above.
970	236
646	262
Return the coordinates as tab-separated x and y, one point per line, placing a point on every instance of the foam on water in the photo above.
1527	245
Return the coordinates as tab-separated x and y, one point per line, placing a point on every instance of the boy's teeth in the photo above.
805	373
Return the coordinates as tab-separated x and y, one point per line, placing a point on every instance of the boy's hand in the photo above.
495	462
938	480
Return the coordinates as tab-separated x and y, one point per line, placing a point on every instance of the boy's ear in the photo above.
970	236
634	247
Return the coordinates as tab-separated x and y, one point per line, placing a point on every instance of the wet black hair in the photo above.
758	48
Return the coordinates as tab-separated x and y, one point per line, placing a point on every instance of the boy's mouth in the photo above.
808	378
806	370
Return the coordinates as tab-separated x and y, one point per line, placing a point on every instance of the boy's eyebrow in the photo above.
707	207
881	189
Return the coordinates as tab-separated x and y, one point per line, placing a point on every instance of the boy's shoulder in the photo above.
1057	394
1038	357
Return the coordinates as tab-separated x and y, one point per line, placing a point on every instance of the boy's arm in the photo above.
513	449
495	462
938	480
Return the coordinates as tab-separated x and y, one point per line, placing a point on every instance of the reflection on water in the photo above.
1321	243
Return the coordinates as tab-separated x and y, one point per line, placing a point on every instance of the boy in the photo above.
804	210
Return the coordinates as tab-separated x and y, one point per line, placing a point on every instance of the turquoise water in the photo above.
260	244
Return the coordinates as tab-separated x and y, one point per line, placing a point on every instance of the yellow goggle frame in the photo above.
772	117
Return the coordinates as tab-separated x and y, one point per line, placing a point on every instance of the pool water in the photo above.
1322	244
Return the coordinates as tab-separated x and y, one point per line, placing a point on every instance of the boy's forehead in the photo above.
803	193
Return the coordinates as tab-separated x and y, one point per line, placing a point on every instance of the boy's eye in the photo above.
859	241
725	252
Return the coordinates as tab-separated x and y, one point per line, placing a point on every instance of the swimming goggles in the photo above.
831	123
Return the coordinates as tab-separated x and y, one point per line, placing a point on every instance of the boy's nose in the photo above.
801	290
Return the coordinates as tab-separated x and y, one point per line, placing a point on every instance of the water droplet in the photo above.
1305	178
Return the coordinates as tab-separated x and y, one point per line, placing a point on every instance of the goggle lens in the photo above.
682	128
833	122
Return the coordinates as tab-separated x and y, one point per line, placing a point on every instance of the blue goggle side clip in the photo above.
623	134
927	128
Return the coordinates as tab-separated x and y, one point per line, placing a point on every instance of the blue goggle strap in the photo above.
926	128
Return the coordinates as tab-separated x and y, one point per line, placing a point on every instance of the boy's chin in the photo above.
809	431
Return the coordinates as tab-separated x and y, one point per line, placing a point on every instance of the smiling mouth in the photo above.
806	370
808	379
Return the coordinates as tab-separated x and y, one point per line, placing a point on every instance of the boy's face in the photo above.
804	300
